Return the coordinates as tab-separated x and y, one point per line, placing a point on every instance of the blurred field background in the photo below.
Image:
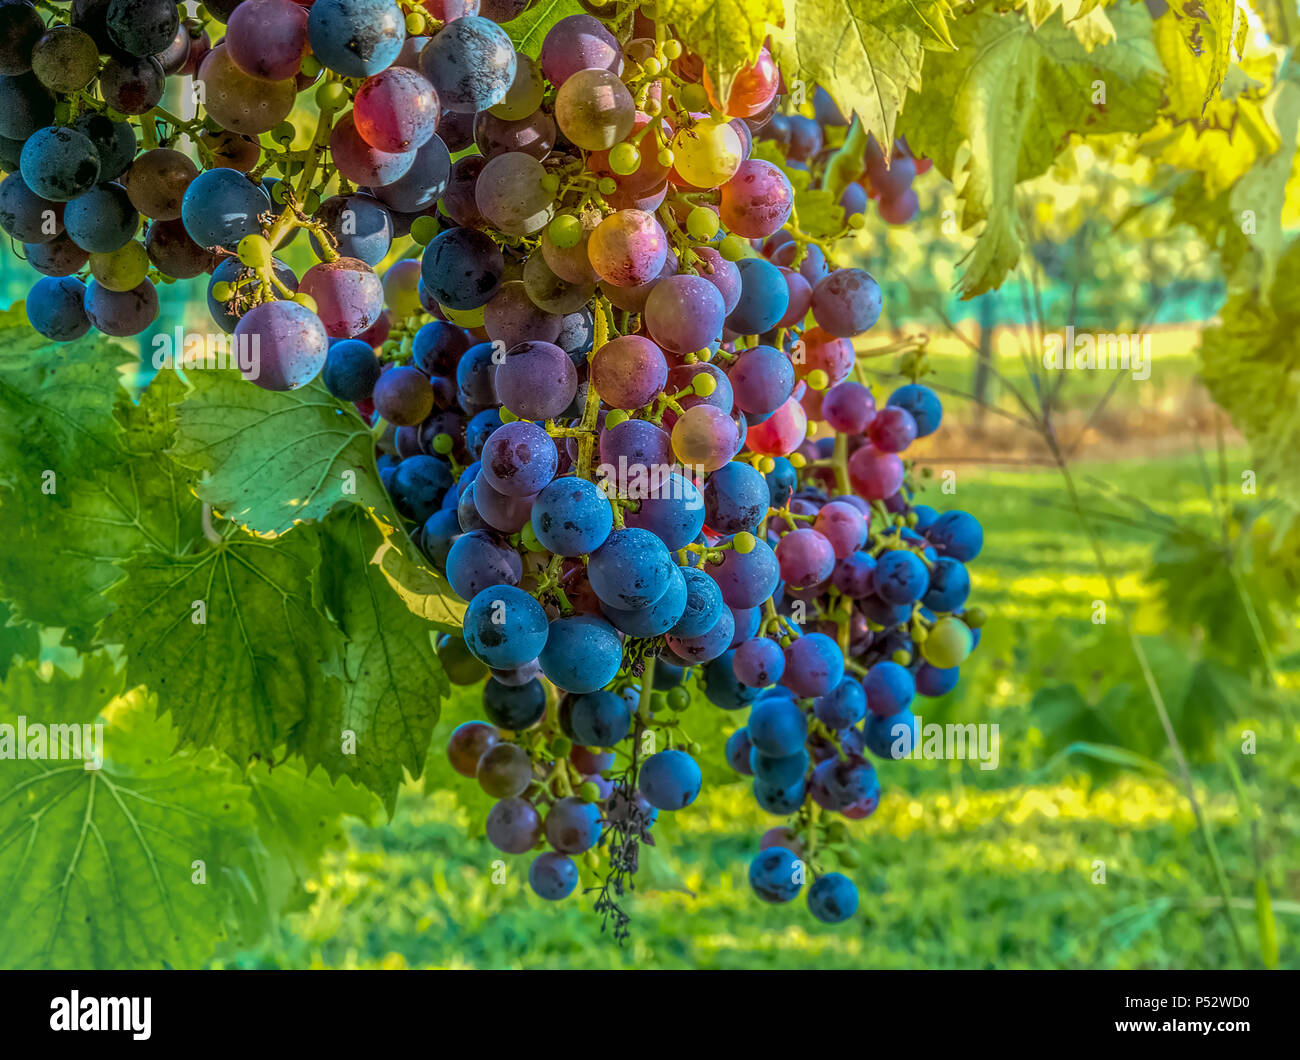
961	867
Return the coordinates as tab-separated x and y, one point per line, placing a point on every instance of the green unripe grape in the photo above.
673	48
733	248
702	223
589	792
606	186
550	183
280	193
694	98
424	229
305	300
848	858
903	658
123	269
332	96
415	24
561	746
678	698
818	379
948	644
254	251
786	641
743	542
837	832
666	156
704	384
919	634
695	749
565	231
310	66
312	202
797	460
283	133
593	860
857	221
658	702
614	417
911	518
624	159
506	415
443	444
767	465
221	291
529	539
975	617
704	355
651	65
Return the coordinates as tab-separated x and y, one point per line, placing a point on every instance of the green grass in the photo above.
959	867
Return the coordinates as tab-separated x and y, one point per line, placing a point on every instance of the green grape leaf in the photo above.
1013	96
231	639
57	400
18	639
726	34
1248	363
424	592
274	459
393	683
868	60
125	866
819	211
65	542
528	31
1204	31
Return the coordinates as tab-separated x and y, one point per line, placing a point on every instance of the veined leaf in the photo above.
274	459
17	639
63	546
393	682
424	592
726	34
1012	96
529	30
230	639
868	60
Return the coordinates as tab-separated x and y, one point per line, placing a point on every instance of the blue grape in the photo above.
474	375
437	534
736	497
552	876
925	517
707	646
780	801
516	707
781	481
55	308
777	727
221	206
513	826
121	313
832	898
893	737
102	219
844	705
419	485
814	665
737	752
957	534
462	268
360	224
351	370
423	183
478	559
519	459
230	271
573	826
479	430
505	627
26	106
436	349
599	719
846	303
934	682
659	617
59	164
356	38
582	653
949	585
673	510
747	579
670	780
924	405
782	772
764	297
900	577
841	782
631	570
114	142
572	517
889	688
776	874
759	662
471	64
721	688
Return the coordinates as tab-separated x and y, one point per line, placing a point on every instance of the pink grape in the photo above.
843	526
892	429
360	162
395	110
627	248
723	274
289	345
628	371
832	355
579	42
848	407
349	296
875	475
536	381
807	558
684	313
781	433
267	39
800	299
757	200
705	437
762	378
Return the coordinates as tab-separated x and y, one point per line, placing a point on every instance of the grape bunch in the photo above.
613	381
